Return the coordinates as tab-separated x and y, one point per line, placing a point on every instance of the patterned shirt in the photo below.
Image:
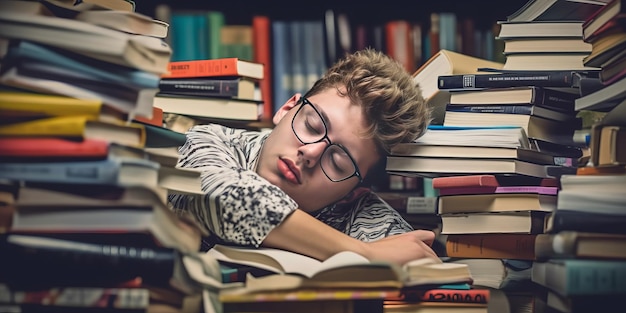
241	207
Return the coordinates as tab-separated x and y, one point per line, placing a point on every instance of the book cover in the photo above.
214	68
51	148
522	109
539	190
491	246
437	294
555	10
126	21
572	277
480	180
534	95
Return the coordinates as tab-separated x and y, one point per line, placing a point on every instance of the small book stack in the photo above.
88	227
224	90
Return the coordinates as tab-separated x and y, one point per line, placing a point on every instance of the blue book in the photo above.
574	277
281	71
53	61
117	171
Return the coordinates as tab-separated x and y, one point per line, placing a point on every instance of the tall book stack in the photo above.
223	90
89	227
582	261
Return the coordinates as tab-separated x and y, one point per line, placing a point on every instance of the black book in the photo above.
552	79
29	261
561	220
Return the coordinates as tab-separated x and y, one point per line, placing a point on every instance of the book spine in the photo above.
465	181
586	277
31	147
205	87
444	295
30	261
200	68
506	109
491	246
560	245
562	220
85	297
502	80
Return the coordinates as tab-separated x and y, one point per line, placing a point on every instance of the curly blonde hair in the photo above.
391	102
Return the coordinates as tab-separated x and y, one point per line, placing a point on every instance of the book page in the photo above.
281	261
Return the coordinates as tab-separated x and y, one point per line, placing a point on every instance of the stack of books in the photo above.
211	90
85	219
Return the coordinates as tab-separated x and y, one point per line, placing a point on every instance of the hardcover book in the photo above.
570	277
235	87
491	246
209	107
499	202
520	222
552	79
220	67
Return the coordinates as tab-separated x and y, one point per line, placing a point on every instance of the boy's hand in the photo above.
402	248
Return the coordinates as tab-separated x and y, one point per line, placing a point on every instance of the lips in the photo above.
289	170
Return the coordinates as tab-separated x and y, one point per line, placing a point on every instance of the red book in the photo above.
400	44
262	44
443	295
20	148
466	181
156	119
215	68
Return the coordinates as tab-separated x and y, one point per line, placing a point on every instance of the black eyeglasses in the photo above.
309	127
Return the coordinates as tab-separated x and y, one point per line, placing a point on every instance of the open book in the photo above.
343	270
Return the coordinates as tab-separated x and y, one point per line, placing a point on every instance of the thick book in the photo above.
548	61
31	260
593	23
564	220
520	222
608	145
214	68
603	99
491	246
499	202
472	295
79	127
470	181
500	274
532	95
542	29
552	79
580	245
571	277
521	109
105	214
344	269
477	190
210	107
434	167
231	87
146	53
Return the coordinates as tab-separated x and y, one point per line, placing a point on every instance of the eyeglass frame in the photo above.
304	101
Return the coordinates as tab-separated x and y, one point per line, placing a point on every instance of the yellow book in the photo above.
16	105
77	126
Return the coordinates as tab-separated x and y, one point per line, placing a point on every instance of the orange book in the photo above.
491	246
262	44
221	67
156	119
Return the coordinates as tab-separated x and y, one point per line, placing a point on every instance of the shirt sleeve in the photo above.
366	217
238	206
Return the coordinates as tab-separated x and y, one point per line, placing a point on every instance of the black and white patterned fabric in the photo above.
241	207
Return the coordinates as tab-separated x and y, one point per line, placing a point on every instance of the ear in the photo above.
284	109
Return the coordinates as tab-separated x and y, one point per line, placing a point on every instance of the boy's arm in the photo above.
304	234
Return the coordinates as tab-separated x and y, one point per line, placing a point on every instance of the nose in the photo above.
311	153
